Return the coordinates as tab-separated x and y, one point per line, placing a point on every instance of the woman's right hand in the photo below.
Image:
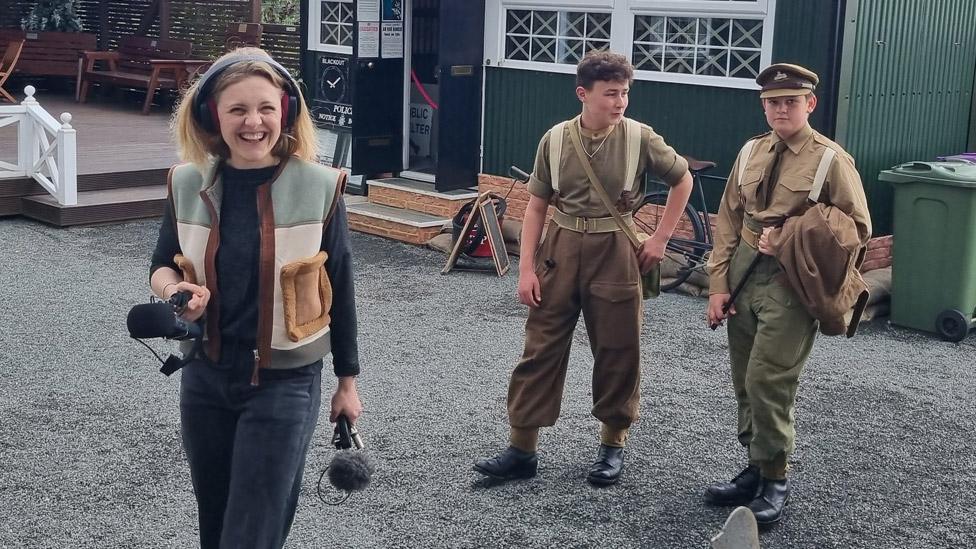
715	304
197	304
529	290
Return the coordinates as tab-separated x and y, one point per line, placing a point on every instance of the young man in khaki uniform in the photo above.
587	264
770	332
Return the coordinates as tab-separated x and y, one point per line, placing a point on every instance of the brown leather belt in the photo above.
589	224
749	237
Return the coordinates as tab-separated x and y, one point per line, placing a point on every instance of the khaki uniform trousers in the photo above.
770	338
596	274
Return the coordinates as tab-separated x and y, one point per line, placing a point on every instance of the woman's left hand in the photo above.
346	401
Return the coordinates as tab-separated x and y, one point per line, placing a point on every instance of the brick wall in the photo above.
878	255
414	201
390	229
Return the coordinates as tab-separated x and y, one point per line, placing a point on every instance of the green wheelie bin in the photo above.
933	278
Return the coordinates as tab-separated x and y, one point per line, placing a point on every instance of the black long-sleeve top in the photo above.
237	265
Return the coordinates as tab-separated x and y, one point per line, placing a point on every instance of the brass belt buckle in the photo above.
581	224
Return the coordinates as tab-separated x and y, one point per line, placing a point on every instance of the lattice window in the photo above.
708	46
336	22
548	36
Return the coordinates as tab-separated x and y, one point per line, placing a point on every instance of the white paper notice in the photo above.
369	39
392	40
368	10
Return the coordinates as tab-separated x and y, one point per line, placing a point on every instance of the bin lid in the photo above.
956	174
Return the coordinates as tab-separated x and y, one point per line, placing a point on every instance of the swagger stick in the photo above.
745	278
739	286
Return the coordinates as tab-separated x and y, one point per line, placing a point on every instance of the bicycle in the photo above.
691	243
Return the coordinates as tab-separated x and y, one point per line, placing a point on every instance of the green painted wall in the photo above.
708	123
907	92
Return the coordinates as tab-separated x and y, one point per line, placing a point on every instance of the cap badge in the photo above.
780	76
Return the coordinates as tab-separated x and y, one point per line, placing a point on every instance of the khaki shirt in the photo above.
797	168
576	195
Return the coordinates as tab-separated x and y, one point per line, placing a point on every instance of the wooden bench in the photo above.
140	62
49	53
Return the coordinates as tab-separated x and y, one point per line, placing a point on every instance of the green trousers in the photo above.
770	338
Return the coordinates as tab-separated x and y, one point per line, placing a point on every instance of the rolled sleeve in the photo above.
540	182
662	160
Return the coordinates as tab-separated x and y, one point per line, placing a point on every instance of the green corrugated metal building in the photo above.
897	76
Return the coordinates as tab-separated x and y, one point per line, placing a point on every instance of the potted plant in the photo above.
52	30
52	15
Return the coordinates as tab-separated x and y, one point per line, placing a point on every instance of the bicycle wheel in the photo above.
687	246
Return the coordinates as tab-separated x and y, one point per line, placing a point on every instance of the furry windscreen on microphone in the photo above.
351	470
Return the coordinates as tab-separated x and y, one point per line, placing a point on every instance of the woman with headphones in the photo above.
256	231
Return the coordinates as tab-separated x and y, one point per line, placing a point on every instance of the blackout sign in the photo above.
332	103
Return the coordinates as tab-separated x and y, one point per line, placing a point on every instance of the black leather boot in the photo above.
511	464
607	467
739	491
769	504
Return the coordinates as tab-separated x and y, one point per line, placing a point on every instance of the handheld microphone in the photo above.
159	319
350	469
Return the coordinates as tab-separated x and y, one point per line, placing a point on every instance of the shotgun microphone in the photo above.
160	319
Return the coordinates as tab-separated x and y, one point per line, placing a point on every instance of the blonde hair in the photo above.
199	146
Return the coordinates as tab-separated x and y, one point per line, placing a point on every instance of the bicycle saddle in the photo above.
696	165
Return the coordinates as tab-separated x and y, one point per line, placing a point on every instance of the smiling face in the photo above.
604	104
788	114
250	121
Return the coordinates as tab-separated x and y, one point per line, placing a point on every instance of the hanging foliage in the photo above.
52	15
279	12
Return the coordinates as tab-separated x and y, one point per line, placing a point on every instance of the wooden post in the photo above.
147	18
25	135
67	162
255	11
103	37
164	18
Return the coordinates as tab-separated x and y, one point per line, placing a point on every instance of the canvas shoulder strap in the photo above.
821	176
744	155
633	128
555	151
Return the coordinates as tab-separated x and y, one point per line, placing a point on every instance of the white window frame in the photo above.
315	29
623	14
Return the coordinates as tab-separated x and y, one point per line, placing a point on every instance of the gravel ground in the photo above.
89	430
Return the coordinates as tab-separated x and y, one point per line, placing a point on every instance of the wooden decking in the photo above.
118	148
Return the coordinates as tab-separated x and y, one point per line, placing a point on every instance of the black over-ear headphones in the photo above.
205	106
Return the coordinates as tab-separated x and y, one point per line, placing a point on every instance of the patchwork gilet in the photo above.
294	294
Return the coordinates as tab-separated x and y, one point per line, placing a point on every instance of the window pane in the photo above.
706	46
336	23
546	36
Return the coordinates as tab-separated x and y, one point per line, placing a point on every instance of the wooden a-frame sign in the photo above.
484	210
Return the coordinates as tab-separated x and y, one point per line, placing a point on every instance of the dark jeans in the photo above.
246	446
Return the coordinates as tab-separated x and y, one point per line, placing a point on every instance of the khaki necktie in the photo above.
765	189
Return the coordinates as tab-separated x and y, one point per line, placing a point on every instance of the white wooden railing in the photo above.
46	150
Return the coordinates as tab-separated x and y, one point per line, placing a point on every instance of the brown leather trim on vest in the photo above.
186	267
170	200
210	268
340	189
266	272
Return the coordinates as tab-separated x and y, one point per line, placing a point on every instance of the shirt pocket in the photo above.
793	194
747	187
306	296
